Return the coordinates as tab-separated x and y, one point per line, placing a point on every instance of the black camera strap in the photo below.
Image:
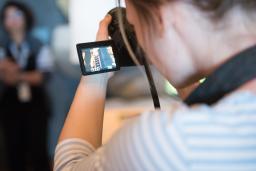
116	34
151	82
227	78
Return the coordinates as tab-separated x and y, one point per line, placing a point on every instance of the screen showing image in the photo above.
98	59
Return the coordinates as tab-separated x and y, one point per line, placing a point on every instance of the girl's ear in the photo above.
166	16
159	21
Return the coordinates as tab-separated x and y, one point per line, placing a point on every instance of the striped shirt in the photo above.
221	137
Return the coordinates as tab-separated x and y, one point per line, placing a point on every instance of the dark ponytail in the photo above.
215	8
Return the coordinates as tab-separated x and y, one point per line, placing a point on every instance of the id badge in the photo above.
24	92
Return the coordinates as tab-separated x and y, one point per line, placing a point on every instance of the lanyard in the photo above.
20	54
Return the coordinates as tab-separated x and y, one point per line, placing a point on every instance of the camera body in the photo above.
115	34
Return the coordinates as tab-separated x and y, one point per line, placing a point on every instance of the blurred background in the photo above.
59	26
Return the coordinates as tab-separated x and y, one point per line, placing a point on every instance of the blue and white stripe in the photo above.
217	138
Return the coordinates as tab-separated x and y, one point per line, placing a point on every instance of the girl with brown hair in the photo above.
186	40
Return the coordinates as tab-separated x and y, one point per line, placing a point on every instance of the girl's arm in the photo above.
85	118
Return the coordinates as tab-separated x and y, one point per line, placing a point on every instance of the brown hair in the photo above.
216	8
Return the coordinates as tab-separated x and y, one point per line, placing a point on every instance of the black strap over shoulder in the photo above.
227	78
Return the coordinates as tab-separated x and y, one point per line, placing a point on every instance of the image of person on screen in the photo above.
96	61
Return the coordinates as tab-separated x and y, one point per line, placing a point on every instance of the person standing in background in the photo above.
24	107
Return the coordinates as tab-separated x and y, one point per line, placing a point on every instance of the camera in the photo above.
115	34
110	55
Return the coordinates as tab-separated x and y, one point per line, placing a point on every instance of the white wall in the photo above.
85	16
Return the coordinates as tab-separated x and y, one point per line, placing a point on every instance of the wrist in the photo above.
92	87
95	80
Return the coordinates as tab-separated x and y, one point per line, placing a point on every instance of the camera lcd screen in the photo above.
97	57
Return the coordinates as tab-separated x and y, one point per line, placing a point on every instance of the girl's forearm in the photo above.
85	118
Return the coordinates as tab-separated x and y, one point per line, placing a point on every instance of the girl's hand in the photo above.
101	36
103	28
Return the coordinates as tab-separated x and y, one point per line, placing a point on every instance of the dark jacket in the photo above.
10	105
